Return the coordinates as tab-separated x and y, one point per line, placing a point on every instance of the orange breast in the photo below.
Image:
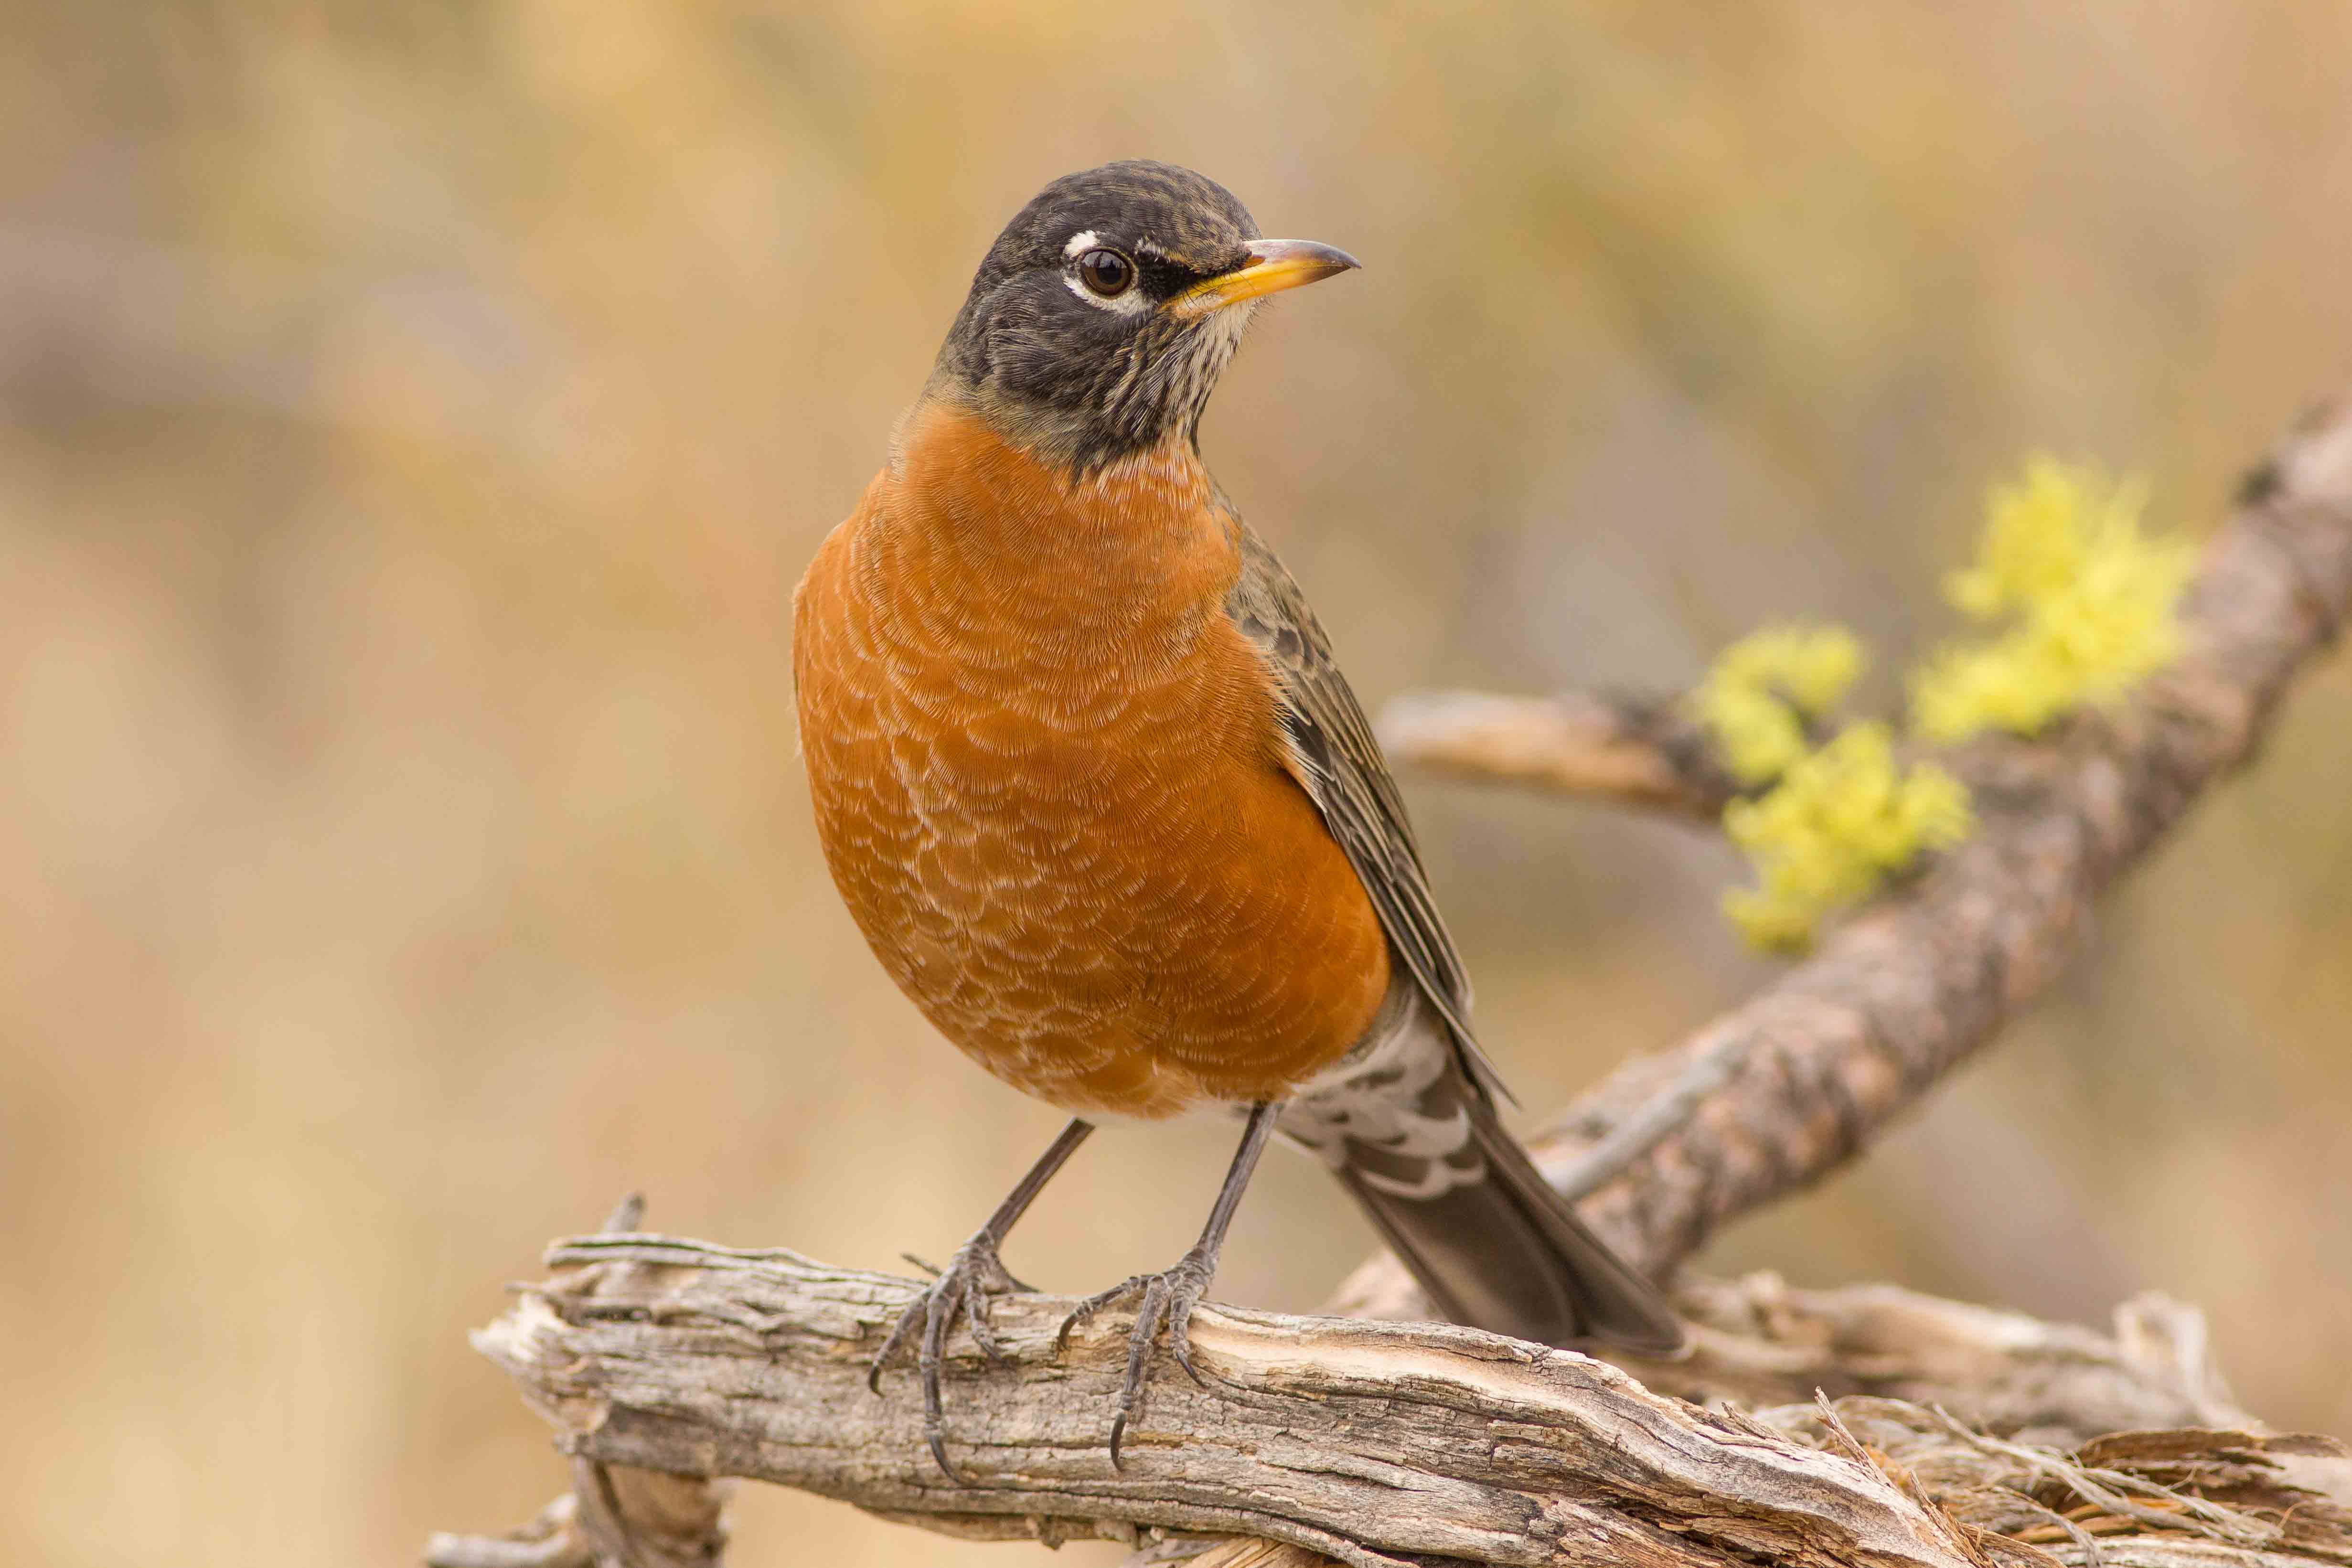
1048	780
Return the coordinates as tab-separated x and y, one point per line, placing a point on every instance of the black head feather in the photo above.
1080	372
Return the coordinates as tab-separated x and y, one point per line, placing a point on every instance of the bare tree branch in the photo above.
1790	1085
1371	1443
615	1516
1386	1442
1639	751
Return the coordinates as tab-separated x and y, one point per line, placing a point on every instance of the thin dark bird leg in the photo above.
972	1276
1171	1295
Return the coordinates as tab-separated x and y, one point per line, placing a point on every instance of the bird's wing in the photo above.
1336	760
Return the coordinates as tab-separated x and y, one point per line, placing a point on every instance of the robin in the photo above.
1105	808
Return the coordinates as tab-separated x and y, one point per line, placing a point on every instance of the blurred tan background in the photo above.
413	417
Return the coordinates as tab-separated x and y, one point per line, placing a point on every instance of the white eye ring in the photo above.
1106	272
1127	300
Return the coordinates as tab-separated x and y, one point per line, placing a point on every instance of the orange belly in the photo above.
1049	782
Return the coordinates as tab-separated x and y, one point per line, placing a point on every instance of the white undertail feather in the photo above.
1372	1098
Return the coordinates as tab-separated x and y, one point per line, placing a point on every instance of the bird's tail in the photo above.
1464	1208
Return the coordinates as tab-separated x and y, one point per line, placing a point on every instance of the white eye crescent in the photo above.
1106	272
1103	276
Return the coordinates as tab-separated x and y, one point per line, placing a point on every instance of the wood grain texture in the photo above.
1384	1443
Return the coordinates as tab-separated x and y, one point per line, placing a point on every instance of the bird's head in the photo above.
1105	313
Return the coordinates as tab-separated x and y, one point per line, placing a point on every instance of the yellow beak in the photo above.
1275	265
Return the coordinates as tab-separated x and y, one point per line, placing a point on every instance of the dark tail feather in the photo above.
1506	1253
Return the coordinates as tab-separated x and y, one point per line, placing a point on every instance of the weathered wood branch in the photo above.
1641	751
1770	1097
1371	1443
615	1514
1379	1443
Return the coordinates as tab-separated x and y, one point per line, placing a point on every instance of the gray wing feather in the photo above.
1339	765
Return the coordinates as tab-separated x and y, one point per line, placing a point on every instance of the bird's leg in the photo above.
972	1277
1170	1296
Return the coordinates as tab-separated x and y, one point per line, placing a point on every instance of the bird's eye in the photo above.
1106	272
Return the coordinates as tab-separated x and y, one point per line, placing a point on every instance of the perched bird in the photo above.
1105	808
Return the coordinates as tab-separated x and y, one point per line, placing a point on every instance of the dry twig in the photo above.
1642	752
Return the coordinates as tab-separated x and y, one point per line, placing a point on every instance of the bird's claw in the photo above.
1167	1299
968	1286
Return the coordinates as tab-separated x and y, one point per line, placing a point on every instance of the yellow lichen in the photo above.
2091	597
1840	819
1760	691
2087	598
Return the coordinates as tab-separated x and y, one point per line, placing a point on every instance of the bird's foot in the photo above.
1167	1302
973	1279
